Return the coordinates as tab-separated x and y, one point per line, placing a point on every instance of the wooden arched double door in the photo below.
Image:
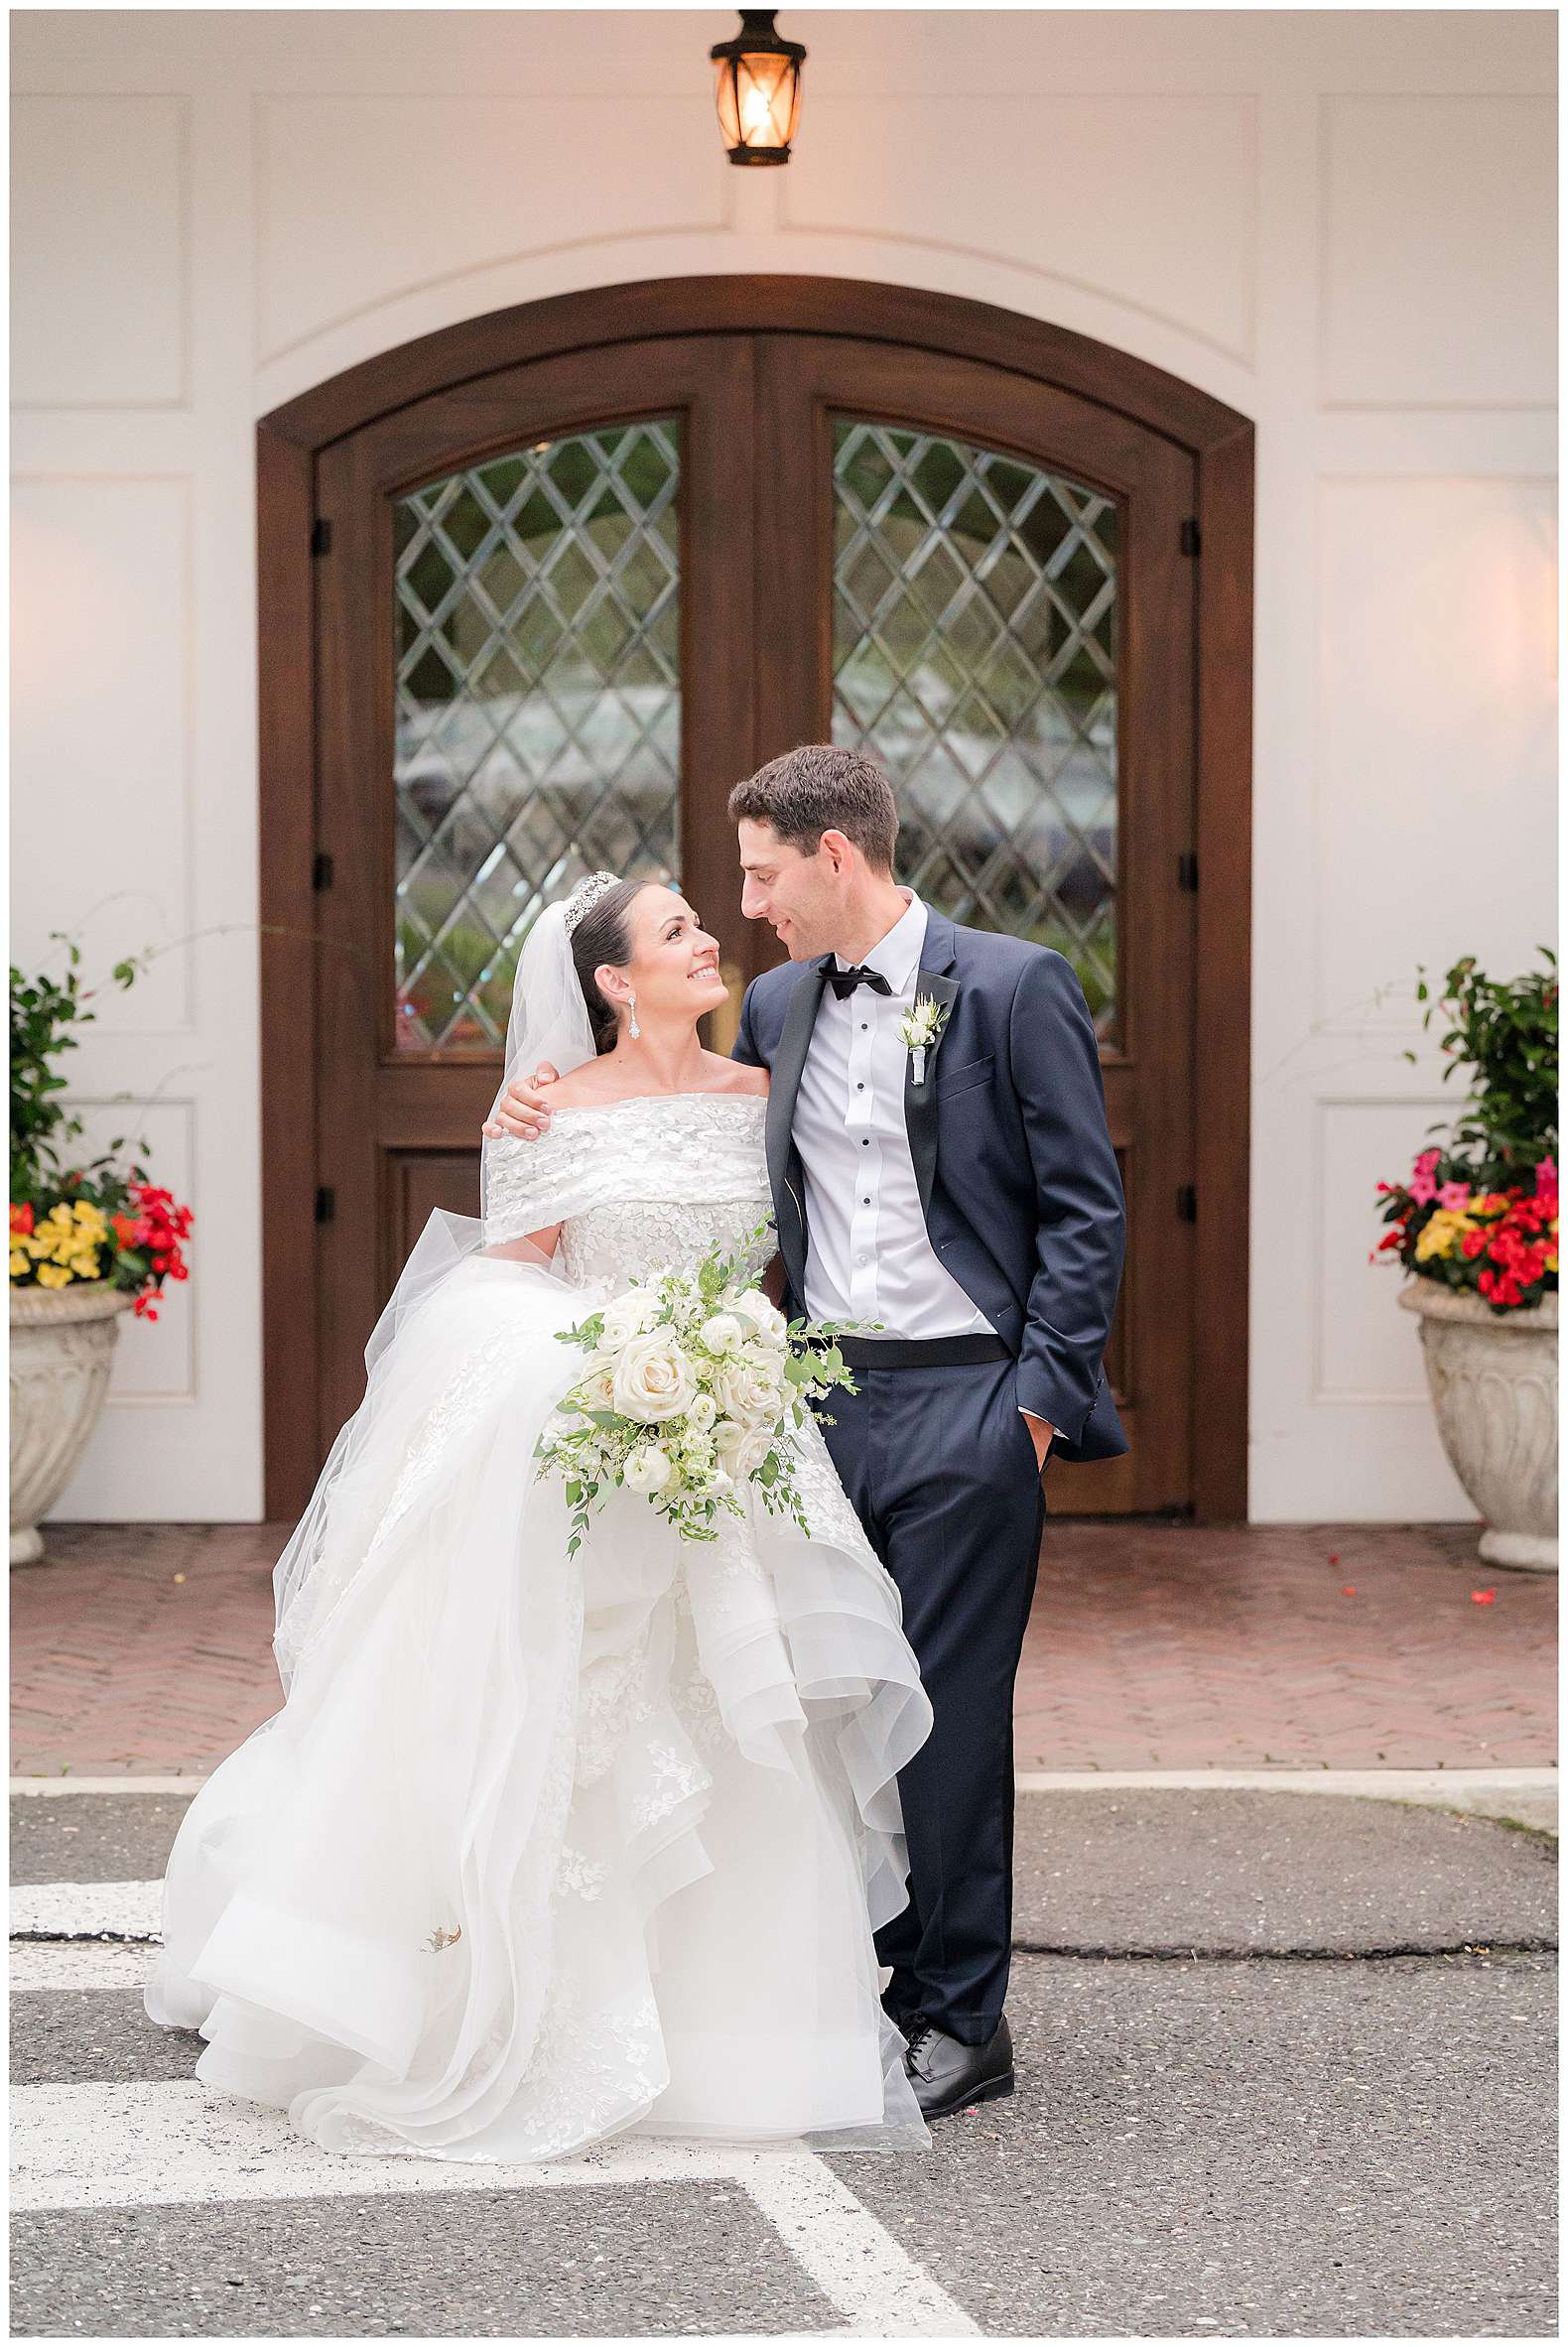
557	604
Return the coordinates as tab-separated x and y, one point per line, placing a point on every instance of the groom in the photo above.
971	1204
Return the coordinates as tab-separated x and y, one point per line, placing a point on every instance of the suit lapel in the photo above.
934	983
784	1084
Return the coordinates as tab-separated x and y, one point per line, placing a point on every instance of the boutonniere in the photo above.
920	1028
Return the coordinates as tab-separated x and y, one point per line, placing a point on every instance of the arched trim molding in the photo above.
1221	442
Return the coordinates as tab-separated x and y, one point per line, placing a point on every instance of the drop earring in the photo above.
631	1004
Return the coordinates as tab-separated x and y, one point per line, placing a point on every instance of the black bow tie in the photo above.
844	981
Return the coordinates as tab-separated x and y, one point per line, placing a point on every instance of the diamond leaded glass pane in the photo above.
538	724
974	656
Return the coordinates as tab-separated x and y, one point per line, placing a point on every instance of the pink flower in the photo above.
1422	1188
1453	1195
1427	1159
1546	1178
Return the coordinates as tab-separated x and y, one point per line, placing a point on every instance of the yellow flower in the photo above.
1551	1260
52	1275
21	1264
1440	1233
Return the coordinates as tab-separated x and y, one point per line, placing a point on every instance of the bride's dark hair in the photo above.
603	936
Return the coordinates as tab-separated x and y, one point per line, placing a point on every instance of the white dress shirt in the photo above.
868	1253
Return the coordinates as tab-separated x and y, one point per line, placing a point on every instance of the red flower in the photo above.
21	1220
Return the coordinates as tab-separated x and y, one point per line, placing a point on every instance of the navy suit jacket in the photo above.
1018	1181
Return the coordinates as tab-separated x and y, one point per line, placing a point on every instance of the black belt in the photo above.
921	1352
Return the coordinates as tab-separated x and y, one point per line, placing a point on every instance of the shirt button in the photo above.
866	1144
859	1088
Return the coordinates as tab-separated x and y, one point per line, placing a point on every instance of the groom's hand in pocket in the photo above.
1043	1434
522	1108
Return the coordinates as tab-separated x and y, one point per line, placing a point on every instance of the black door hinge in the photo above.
1191	541
1187	869
1186	1203
325	1205
320	536
321	870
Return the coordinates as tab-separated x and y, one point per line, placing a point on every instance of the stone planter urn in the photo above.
61	1343
1493	1379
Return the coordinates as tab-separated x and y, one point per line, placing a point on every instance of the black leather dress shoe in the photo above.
948	2076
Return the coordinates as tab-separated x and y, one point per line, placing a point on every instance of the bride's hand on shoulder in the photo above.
522	1110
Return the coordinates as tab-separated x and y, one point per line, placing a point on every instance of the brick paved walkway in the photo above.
143	1649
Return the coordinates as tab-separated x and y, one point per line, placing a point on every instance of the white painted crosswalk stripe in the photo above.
84	2146
62	1964
76	1911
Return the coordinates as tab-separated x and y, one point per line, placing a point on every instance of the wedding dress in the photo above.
539	1849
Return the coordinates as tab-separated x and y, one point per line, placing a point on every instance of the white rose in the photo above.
596	1390
723	1333
744	1448
648	1467
654	1380
627	1316
766	1319
703	1412
749	1389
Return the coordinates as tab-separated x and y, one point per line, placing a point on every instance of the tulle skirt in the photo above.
539	1849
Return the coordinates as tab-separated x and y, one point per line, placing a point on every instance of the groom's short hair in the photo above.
820	788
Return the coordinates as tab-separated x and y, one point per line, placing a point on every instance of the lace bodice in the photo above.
639	1183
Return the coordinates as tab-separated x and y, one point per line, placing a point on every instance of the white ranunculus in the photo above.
723	1333
766	1318
704	1410
749	1389
648	1467
654	1378
627	1316
744	1448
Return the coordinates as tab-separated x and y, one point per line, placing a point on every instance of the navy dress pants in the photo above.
940	1466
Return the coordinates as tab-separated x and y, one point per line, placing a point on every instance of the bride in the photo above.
543	1848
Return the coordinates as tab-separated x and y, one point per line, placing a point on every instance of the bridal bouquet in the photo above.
694	1386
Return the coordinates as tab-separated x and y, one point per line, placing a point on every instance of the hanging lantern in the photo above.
756	85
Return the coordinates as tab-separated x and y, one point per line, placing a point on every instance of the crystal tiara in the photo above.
586	895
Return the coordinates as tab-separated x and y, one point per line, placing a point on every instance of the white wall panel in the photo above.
100	736
1440	261
1081	172
99	250
442	186
1436	733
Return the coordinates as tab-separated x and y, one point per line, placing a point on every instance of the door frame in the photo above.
1222	444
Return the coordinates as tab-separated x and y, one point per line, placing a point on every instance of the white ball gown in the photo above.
538	1850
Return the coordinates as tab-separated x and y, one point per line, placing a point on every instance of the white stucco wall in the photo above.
1341	223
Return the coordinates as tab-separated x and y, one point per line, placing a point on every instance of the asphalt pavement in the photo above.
1286	2067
